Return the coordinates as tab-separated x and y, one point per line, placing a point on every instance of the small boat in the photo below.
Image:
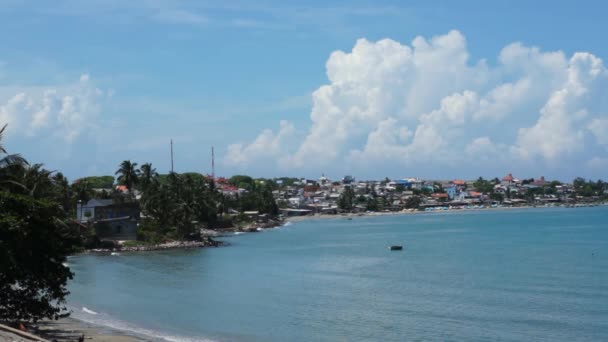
396	248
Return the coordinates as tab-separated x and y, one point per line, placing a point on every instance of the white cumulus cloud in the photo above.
64	111
267	144
429	103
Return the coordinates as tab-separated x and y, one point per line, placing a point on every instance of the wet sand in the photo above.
68	330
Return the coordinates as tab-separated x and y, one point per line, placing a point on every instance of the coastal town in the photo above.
114	218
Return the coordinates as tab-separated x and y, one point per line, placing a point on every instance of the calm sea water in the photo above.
538	274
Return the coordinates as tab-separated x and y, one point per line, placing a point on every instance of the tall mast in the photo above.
171	155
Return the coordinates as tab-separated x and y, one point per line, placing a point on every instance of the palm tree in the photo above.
128	175
147	175
82	190
8	159
37	181
8	164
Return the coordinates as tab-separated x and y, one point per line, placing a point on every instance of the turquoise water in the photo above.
537	274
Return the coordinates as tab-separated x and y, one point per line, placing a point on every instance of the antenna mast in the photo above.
171	155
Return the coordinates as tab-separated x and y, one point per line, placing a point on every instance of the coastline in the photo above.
69	329
419	212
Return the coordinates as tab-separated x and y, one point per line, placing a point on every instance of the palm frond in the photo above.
12	159
2	150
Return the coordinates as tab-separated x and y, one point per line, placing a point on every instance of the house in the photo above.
122	188
539	182
451	191
440	196
116	221
295	212
507	180
324	181
458	182
86	212
295	201
231	191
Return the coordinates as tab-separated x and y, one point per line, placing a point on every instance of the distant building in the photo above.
111	221
508	179
86	212
451	191
117	221
348	179
539	182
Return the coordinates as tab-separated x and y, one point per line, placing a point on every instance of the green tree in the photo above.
497	197
147	176
34	244
6	159
483	185
346	199
413	202
82	190
100	182
372	204
128	175
242	182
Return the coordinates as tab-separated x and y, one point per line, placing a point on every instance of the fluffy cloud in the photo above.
266	145
64	112
427	102
559	130
599	127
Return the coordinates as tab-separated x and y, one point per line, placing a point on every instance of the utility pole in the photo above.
171	155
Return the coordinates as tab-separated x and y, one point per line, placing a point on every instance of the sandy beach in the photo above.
67	330
404	212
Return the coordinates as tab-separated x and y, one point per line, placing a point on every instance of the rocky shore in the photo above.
207	239
205	242
259	226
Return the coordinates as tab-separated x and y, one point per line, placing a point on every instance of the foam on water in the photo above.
107	321
84	309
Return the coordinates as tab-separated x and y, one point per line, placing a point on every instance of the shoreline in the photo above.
419	212
70	328
256	227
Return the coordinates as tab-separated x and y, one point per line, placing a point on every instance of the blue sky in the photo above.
87	84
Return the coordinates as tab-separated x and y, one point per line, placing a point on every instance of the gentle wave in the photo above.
89	311
107	321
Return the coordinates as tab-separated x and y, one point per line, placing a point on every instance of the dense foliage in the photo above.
99	182
35	239
34	244
176	207
346	201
